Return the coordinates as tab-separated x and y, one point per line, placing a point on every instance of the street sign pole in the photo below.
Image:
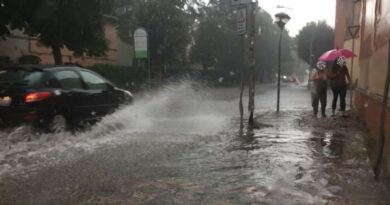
141	48
242	22
242	31
252	63
149	72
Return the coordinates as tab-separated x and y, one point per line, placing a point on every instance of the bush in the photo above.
5	60
29	59
129	78
136	78
220	77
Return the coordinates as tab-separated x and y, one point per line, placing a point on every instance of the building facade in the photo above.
18	45
371	44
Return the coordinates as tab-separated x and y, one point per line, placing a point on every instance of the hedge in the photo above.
136	78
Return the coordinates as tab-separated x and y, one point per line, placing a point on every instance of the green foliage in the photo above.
130	78
136	78
5	60
317	37
267	49
216	43
168	24
78	25
14	13
175	27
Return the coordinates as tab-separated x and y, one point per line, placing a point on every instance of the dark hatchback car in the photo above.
56	97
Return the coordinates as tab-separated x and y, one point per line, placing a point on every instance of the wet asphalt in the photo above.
182	145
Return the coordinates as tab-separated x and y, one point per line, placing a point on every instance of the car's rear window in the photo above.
21	77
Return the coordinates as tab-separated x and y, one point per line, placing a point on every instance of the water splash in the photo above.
176	110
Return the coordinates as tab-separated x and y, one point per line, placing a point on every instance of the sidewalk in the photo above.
324	160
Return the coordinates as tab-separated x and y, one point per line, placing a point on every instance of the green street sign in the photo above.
141	54
141	43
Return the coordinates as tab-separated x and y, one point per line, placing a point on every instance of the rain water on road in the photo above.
181	145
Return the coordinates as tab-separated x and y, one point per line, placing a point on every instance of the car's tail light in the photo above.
37	96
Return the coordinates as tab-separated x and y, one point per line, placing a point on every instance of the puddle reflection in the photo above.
330	145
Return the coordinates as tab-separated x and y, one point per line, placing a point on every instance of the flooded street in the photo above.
182	145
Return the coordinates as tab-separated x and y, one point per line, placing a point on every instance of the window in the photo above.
12	75
93	81
21	77
52	82
68	80
34	78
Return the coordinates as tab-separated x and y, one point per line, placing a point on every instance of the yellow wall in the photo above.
377	71
373	72
355	73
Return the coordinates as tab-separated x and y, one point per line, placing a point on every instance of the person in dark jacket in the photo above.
339	82
319	88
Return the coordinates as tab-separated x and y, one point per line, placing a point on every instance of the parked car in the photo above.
56	97
288	79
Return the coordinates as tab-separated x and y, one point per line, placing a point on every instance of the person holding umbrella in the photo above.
319	89
339	81
339	75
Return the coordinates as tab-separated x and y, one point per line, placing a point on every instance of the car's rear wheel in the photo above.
58	124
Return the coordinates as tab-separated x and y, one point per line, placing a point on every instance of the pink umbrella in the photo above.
333	54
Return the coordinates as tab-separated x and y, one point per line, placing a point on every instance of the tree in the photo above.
216	44
126	12
77	25
13	14
267	48
315	37
168	24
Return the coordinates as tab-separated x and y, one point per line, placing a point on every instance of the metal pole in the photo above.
149	72
381	140
310	60
242	86
251	58
279	71
240	105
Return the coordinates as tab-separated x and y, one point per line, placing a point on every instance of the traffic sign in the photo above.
141	43
240	2
241	21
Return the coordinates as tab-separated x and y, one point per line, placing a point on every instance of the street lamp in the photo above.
311	55
281	20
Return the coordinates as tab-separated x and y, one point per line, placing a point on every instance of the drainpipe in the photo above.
381	140
352	61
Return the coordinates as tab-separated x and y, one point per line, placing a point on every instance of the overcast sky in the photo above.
302	11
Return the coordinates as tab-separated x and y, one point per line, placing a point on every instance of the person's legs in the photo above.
334	103
314	102
323	97
343	94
